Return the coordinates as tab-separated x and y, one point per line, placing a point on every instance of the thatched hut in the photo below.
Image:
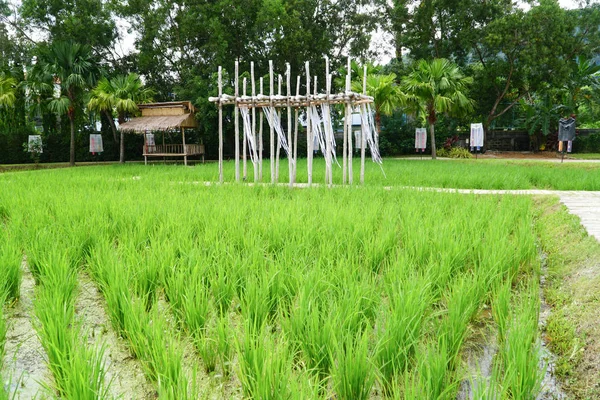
174	115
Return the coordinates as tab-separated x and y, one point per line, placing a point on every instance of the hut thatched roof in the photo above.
162	117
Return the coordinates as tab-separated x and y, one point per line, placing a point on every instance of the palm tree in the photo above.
437	86
386	94
8	88
71	67
120	94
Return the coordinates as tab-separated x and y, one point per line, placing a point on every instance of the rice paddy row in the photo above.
269	293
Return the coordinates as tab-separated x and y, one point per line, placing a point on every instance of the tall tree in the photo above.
79	21
387	95
120	94
438	86
72	70
524	53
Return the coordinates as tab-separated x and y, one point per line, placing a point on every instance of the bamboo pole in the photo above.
184	147
237	123
296	130
260	138
349	122
288	73
345	147
245	142
220	78
362	133
328	158
254	122
309	141
271	117
278	151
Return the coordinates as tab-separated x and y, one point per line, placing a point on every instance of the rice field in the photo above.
266	292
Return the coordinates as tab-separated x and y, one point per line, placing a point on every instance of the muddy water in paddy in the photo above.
25	365
125	374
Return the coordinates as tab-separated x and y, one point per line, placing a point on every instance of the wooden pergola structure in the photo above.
174	115
319	127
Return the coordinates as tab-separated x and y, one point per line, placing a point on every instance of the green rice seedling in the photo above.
208	349
400	327
196	306
78	370
224	339
113	280
161	357
258	302
264	366
352	374
433	378
463	301
145	275
3	327
520	353
501	308
10	268
313	333
223	291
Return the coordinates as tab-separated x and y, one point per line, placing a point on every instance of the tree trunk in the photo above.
113	127
122	148
72	155
432	132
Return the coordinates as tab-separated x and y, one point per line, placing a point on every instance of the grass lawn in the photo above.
585	156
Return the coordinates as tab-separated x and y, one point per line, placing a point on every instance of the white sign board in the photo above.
96	145
150	142
34	144
420	138
476	139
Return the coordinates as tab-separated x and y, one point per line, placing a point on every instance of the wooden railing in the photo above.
175	149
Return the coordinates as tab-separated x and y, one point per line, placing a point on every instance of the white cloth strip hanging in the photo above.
245	112
368	126
276	124
328	127
317	125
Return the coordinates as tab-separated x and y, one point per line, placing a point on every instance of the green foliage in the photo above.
459	152
436	87
8	87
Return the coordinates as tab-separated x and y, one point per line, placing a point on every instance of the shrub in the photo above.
459	152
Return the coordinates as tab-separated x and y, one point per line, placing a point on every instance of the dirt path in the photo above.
127	380
25	367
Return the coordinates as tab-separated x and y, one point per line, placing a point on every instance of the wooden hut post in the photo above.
145	149
237	123
278	151
349	122
271	118
288	72
244	140
309	141
254	121
296	130
184	147
363	139
260	137
220	125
